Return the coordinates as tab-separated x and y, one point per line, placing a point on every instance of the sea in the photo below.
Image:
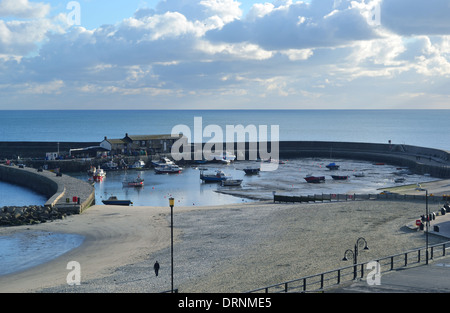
413	127
429	128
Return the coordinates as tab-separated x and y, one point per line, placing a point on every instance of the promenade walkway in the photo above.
431	278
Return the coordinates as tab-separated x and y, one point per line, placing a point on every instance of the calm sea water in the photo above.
413	127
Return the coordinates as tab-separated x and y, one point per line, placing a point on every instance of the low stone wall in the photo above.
361	197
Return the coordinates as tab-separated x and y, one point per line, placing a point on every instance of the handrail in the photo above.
333	278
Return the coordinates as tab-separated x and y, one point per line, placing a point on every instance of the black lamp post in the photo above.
354	253
427	220
171	203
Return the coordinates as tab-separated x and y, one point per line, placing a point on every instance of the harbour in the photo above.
366	167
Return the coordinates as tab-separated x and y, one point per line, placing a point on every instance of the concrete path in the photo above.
431	278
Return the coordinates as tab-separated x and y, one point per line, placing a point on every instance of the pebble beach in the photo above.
218	249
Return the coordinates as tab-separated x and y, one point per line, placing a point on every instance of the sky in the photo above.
225	54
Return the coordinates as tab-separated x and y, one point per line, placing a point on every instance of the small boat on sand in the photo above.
231	182
339	177
114	201
332	166
314	179
252	170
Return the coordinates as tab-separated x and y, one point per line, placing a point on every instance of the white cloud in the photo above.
23	9
296	26
319	52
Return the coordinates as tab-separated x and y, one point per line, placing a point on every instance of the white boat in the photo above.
360	174
168	169
399	180
231	182
138	165
224	157
162	161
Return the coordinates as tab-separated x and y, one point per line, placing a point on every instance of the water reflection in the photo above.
186	187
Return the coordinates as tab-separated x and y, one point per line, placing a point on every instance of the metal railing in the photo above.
333	278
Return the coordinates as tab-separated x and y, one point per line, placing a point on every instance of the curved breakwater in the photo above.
58	188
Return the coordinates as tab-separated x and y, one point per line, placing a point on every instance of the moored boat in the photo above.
98	174
231	182
224	157
252	170
114	201
339	177
332	166
162	162
111	166
314	179
139	164
138	182
168	169
218	176
360	174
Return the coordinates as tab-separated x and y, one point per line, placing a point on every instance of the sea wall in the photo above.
37	149
60	189
420	160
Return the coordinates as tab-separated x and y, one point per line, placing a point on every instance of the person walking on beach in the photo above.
156	268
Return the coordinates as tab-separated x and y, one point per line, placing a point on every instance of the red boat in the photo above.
314	179
138	182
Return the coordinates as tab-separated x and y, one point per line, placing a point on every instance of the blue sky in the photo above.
220	54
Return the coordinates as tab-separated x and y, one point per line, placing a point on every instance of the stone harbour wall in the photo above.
60	190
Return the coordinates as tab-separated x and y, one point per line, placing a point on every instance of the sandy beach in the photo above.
228	248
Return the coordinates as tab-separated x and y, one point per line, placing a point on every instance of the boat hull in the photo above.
251	171
337	177
117	202
315	179
231	182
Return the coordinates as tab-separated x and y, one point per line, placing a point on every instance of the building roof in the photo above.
129	138
115	141
149	137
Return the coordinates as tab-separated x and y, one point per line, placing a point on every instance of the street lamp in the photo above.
171	203
354	253
427	219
